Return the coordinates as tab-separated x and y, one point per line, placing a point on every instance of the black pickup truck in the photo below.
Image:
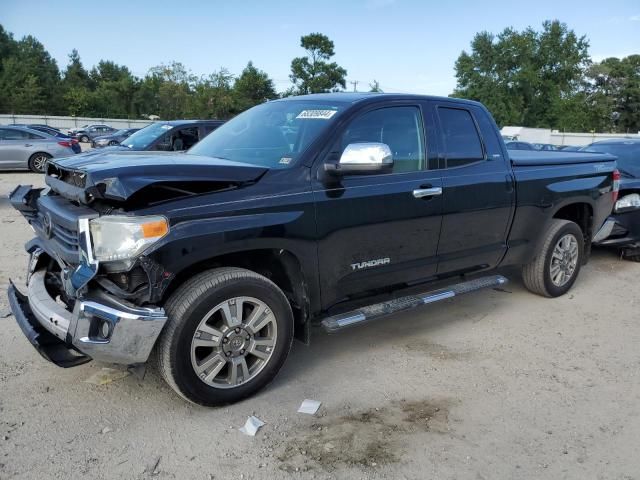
330	210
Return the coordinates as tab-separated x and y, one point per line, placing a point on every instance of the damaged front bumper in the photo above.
92	323
101	326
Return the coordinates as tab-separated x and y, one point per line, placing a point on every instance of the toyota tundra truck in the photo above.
326	210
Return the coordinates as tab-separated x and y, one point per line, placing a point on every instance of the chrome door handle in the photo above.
427	192
28	145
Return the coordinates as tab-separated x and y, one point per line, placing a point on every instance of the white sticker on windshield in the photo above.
321	114
167	127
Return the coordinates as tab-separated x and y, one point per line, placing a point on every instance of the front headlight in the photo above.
628	202
118	239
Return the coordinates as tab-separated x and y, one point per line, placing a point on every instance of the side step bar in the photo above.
378	310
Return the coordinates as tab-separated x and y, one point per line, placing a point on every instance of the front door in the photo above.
378	230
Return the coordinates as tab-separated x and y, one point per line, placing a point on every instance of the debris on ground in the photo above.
251	426
5	313
310	407
107	375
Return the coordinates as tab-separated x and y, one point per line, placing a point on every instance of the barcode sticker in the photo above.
320	114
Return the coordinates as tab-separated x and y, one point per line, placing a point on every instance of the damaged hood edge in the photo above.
117	176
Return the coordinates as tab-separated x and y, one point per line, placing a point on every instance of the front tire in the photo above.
38	161
84	139
556	266
228	333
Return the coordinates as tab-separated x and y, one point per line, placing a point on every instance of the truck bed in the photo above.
539	158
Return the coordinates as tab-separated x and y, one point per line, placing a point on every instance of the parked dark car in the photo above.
330	209
114	138
518	145
75	146
622	228
89	133
171	136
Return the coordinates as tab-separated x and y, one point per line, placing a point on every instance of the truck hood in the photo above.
118	176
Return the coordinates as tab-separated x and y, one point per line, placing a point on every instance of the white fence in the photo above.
64	123
554	137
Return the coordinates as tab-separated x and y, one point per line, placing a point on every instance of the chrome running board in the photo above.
378	310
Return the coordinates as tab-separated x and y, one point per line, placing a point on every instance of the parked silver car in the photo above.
23	148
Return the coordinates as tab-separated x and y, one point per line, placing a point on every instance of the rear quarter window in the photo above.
460	136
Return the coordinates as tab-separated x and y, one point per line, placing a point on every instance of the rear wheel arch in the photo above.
580	213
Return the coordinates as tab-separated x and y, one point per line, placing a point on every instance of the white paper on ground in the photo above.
309	407
251	426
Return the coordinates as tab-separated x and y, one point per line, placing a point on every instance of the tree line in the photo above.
534	78
547	79
32	83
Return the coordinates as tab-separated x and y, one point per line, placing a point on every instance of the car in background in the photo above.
545	147
570	148
622	228
171	136
518	145
114	138
87	134
54	132
24	148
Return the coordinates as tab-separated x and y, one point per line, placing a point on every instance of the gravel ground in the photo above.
495	385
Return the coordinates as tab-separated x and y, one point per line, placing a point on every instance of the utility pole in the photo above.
355	85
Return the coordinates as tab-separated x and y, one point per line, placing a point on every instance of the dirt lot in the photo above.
495	385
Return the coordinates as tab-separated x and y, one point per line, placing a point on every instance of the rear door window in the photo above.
460	136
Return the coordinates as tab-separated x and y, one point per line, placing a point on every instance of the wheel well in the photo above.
582	214
40	153
279	266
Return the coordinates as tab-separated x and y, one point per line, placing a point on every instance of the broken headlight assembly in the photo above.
118	239
627	203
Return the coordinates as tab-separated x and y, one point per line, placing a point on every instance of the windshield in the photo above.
123	131
141	139
628	156
274	134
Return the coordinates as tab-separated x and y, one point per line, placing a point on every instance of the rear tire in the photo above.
228	333
37	162
557	264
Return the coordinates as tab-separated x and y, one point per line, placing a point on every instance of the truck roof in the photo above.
355	97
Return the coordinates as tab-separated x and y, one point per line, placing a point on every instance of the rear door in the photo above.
373	229
478	189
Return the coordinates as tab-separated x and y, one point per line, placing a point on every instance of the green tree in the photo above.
526	78
115	89
253	87
30	79
314	73
614	94
375	87
213	96
76	86
171	85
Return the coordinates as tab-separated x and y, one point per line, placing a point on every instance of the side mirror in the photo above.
362	158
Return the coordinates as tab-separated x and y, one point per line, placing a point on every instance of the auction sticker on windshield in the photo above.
321	114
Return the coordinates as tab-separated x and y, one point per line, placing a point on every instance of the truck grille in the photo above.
56	223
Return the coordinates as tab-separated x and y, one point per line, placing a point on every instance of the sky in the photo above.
408	46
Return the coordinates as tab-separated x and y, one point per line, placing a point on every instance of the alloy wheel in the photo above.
233	342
